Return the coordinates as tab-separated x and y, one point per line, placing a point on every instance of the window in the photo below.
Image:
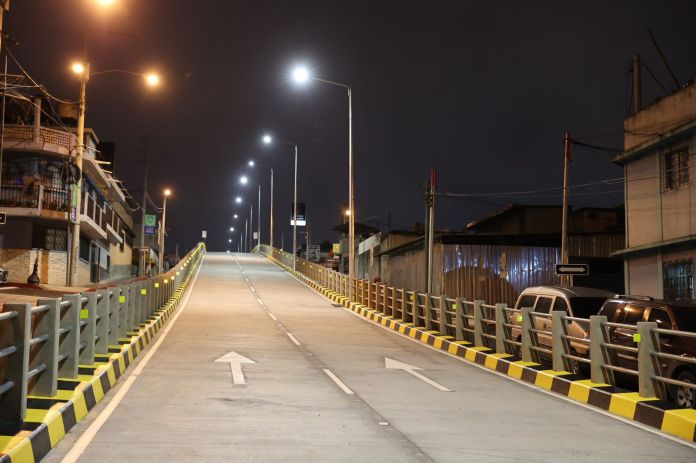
49	238
526	301
84	249
560	305
661	317
631	314
585	307
610	309
675	168
679	279
543	305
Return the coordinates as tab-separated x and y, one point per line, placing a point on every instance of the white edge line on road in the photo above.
338	382
273	317
294	339
258	299
88	435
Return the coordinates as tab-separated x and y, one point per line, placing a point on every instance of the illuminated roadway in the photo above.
319	391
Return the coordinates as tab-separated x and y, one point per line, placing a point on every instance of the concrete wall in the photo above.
643	201
20	264
660	117
644	276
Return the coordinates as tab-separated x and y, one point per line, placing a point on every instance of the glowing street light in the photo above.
267	139
251	163
78	68
243	180
106	2
238	200
152	79
231	229
236	216
301	75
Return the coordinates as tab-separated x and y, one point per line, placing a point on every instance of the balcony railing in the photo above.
35	197
43	135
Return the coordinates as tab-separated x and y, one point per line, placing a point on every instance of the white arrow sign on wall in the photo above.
236	361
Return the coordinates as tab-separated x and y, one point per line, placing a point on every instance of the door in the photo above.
630	315
543	306
94	263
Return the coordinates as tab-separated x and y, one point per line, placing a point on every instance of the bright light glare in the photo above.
231	229
105	2
238	200
267	139
347	212
236	216
243	180
167	192
251	163
300	74
229	241
152	79
78	68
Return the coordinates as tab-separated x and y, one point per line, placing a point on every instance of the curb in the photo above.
48	419
652	412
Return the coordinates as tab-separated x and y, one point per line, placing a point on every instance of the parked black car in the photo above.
671	315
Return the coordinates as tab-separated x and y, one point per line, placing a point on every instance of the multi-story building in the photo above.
36	199
660	193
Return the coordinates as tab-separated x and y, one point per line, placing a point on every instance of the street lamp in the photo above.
245	180
252	164
238	200
82	69
166	193
232	229
302	75
236	216
267	139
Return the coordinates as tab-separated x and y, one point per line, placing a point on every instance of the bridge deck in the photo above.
183	406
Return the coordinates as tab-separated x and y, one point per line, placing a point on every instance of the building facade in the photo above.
660	195
37	200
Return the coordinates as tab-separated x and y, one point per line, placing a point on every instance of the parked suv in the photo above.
671	315
576	301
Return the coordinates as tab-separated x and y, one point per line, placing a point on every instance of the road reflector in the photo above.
636	337
84	314
122	299
519	318
143	292
156	285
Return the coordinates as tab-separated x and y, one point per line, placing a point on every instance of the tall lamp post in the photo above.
163	225
302	75
254	164
267	139
83	71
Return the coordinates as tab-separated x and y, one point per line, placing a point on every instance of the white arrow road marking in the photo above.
236	361
391	364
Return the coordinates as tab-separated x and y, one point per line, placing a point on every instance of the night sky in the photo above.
481	91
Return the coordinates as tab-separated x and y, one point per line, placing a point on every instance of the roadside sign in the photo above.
572	269
336	248
301	214
256	235
150	230
313	252
204	234
150	220
3	218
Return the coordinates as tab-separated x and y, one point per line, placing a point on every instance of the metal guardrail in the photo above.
505	330
40	344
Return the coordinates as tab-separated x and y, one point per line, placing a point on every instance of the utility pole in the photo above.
246	236
258	237
429	231
144	209
564	227
250	242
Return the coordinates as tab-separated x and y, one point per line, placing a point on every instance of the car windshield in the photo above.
686	318
584	307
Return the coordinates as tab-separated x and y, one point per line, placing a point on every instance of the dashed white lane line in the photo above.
294	339
258	299
273	317
338	382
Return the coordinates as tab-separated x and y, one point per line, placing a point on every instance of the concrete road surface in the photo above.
319	391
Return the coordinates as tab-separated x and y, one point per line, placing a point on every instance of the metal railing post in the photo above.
13	403
103	322
427	311
443	316
88	335
478	322
648	344
459	319
500	331
49	323
598	353
70	336
559	345
114	316
123	312
526	328
413	298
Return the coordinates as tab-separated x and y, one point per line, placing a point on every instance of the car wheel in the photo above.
685	397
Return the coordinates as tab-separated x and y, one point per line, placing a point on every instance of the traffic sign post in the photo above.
573	269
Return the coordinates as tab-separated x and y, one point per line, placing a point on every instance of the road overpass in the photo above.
254	365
